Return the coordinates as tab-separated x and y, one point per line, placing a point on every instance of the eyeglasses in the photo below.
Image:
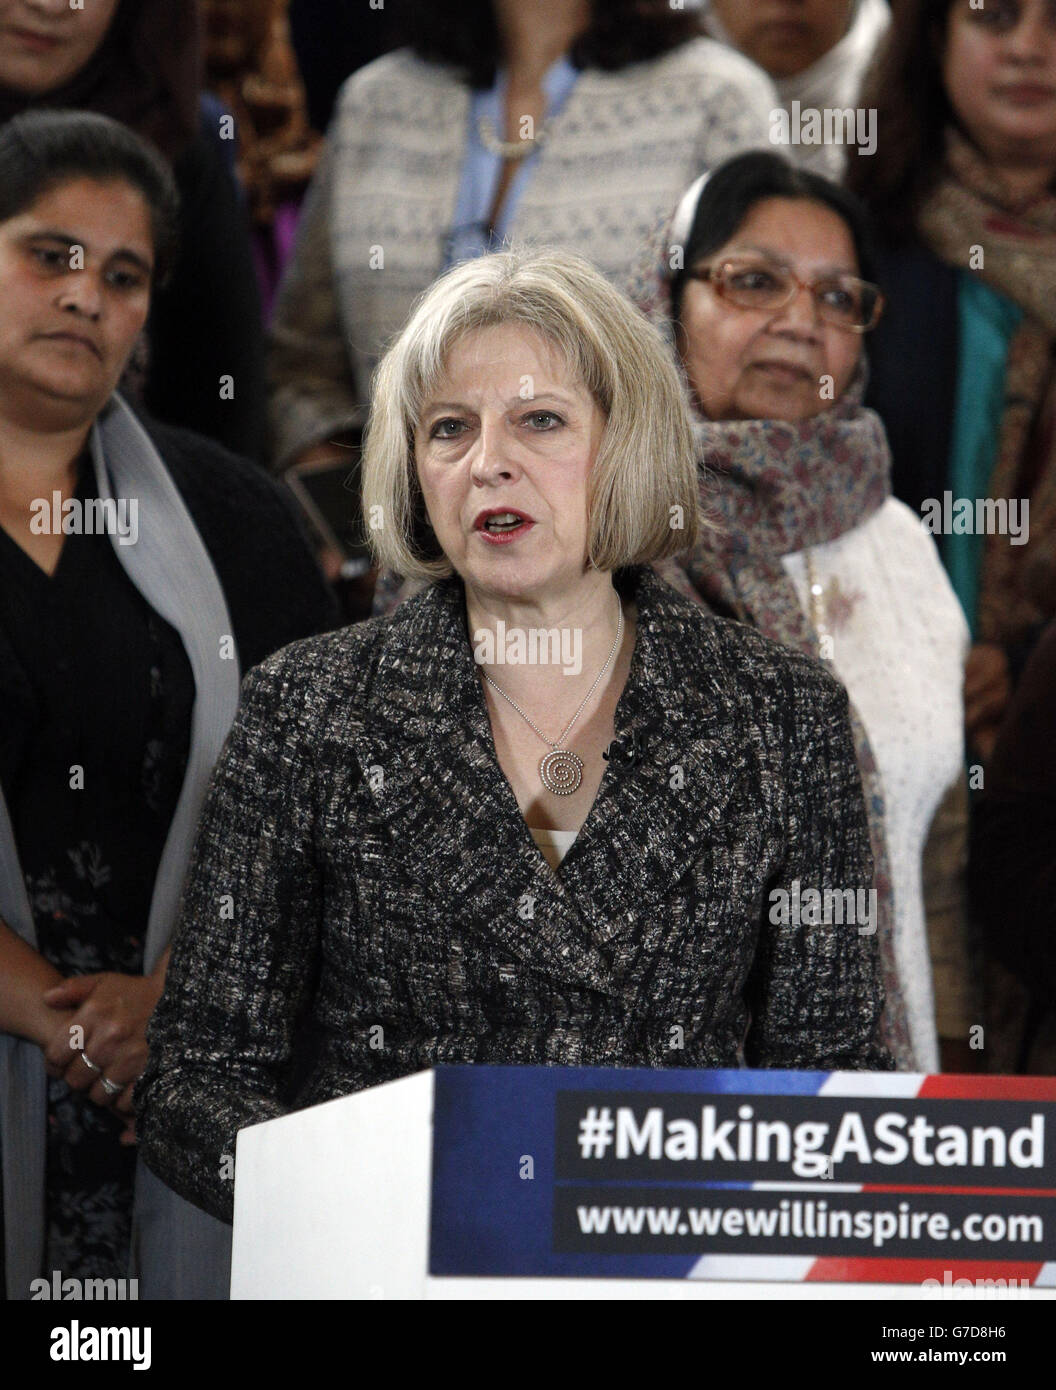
752	283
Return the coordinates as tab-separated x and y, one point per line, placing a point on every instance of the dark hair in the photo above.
737	186
145	74
41	150
905	86
464	34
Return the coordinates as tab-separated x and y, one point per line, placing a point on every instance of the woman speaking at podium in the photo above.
547	812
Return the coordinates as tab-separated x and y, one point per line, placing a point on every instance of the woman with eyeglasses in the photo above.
769	305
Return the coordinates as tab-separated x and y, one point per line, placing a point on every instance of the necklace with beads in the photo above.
561	770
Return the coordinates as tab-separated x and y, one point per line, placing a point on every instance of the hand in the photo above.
113	1011
987	691
55	1038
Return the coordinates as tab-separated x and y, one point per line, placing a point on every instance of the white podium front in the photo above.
333	1202
359	1198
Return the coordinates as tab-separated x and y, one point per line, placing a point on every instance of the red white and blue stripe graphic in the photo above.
870	1269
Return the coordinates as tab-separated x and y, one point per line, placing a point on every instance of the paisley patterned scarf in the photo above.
775	487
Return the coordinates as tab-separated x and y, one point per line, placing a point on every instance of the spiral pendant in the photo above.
561	772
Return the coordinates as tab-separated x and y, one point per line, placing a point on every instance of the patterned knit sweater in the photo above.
382	204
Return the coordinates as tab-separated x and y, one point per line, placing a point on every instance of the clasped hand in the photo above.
104	1018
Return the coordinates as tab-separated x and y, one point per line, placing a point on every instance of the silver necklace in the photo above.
509	149
561	770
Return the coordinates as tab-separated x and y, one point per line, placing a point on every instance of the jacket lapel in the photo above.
673	769
453	818
457	829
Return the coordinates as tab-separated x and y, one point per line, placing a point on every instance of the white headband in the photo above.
682	222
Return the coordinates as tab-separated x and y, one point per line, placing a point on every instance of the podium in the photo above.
558	1182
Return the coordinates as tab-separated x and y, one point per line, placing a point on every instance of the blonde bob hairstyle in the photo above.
643	490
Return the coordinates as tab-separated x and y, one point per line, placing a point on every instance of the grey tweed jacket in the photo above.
365	900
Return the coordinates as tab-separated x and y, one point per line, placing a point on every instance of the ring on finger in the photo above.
90	1064
110	1087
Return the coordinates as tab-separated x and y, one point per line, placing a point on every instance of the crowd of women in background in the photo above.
856	335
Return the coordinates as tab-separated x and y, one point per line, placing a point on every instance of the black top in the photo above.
384	876
94	745
92	677
206	322
256	539
96	695
96	719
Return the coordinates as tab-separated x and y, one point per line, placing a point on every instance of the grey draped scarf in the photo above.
177	1249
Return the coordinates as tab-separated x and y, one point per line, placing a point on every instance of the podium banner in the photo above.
670	1173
